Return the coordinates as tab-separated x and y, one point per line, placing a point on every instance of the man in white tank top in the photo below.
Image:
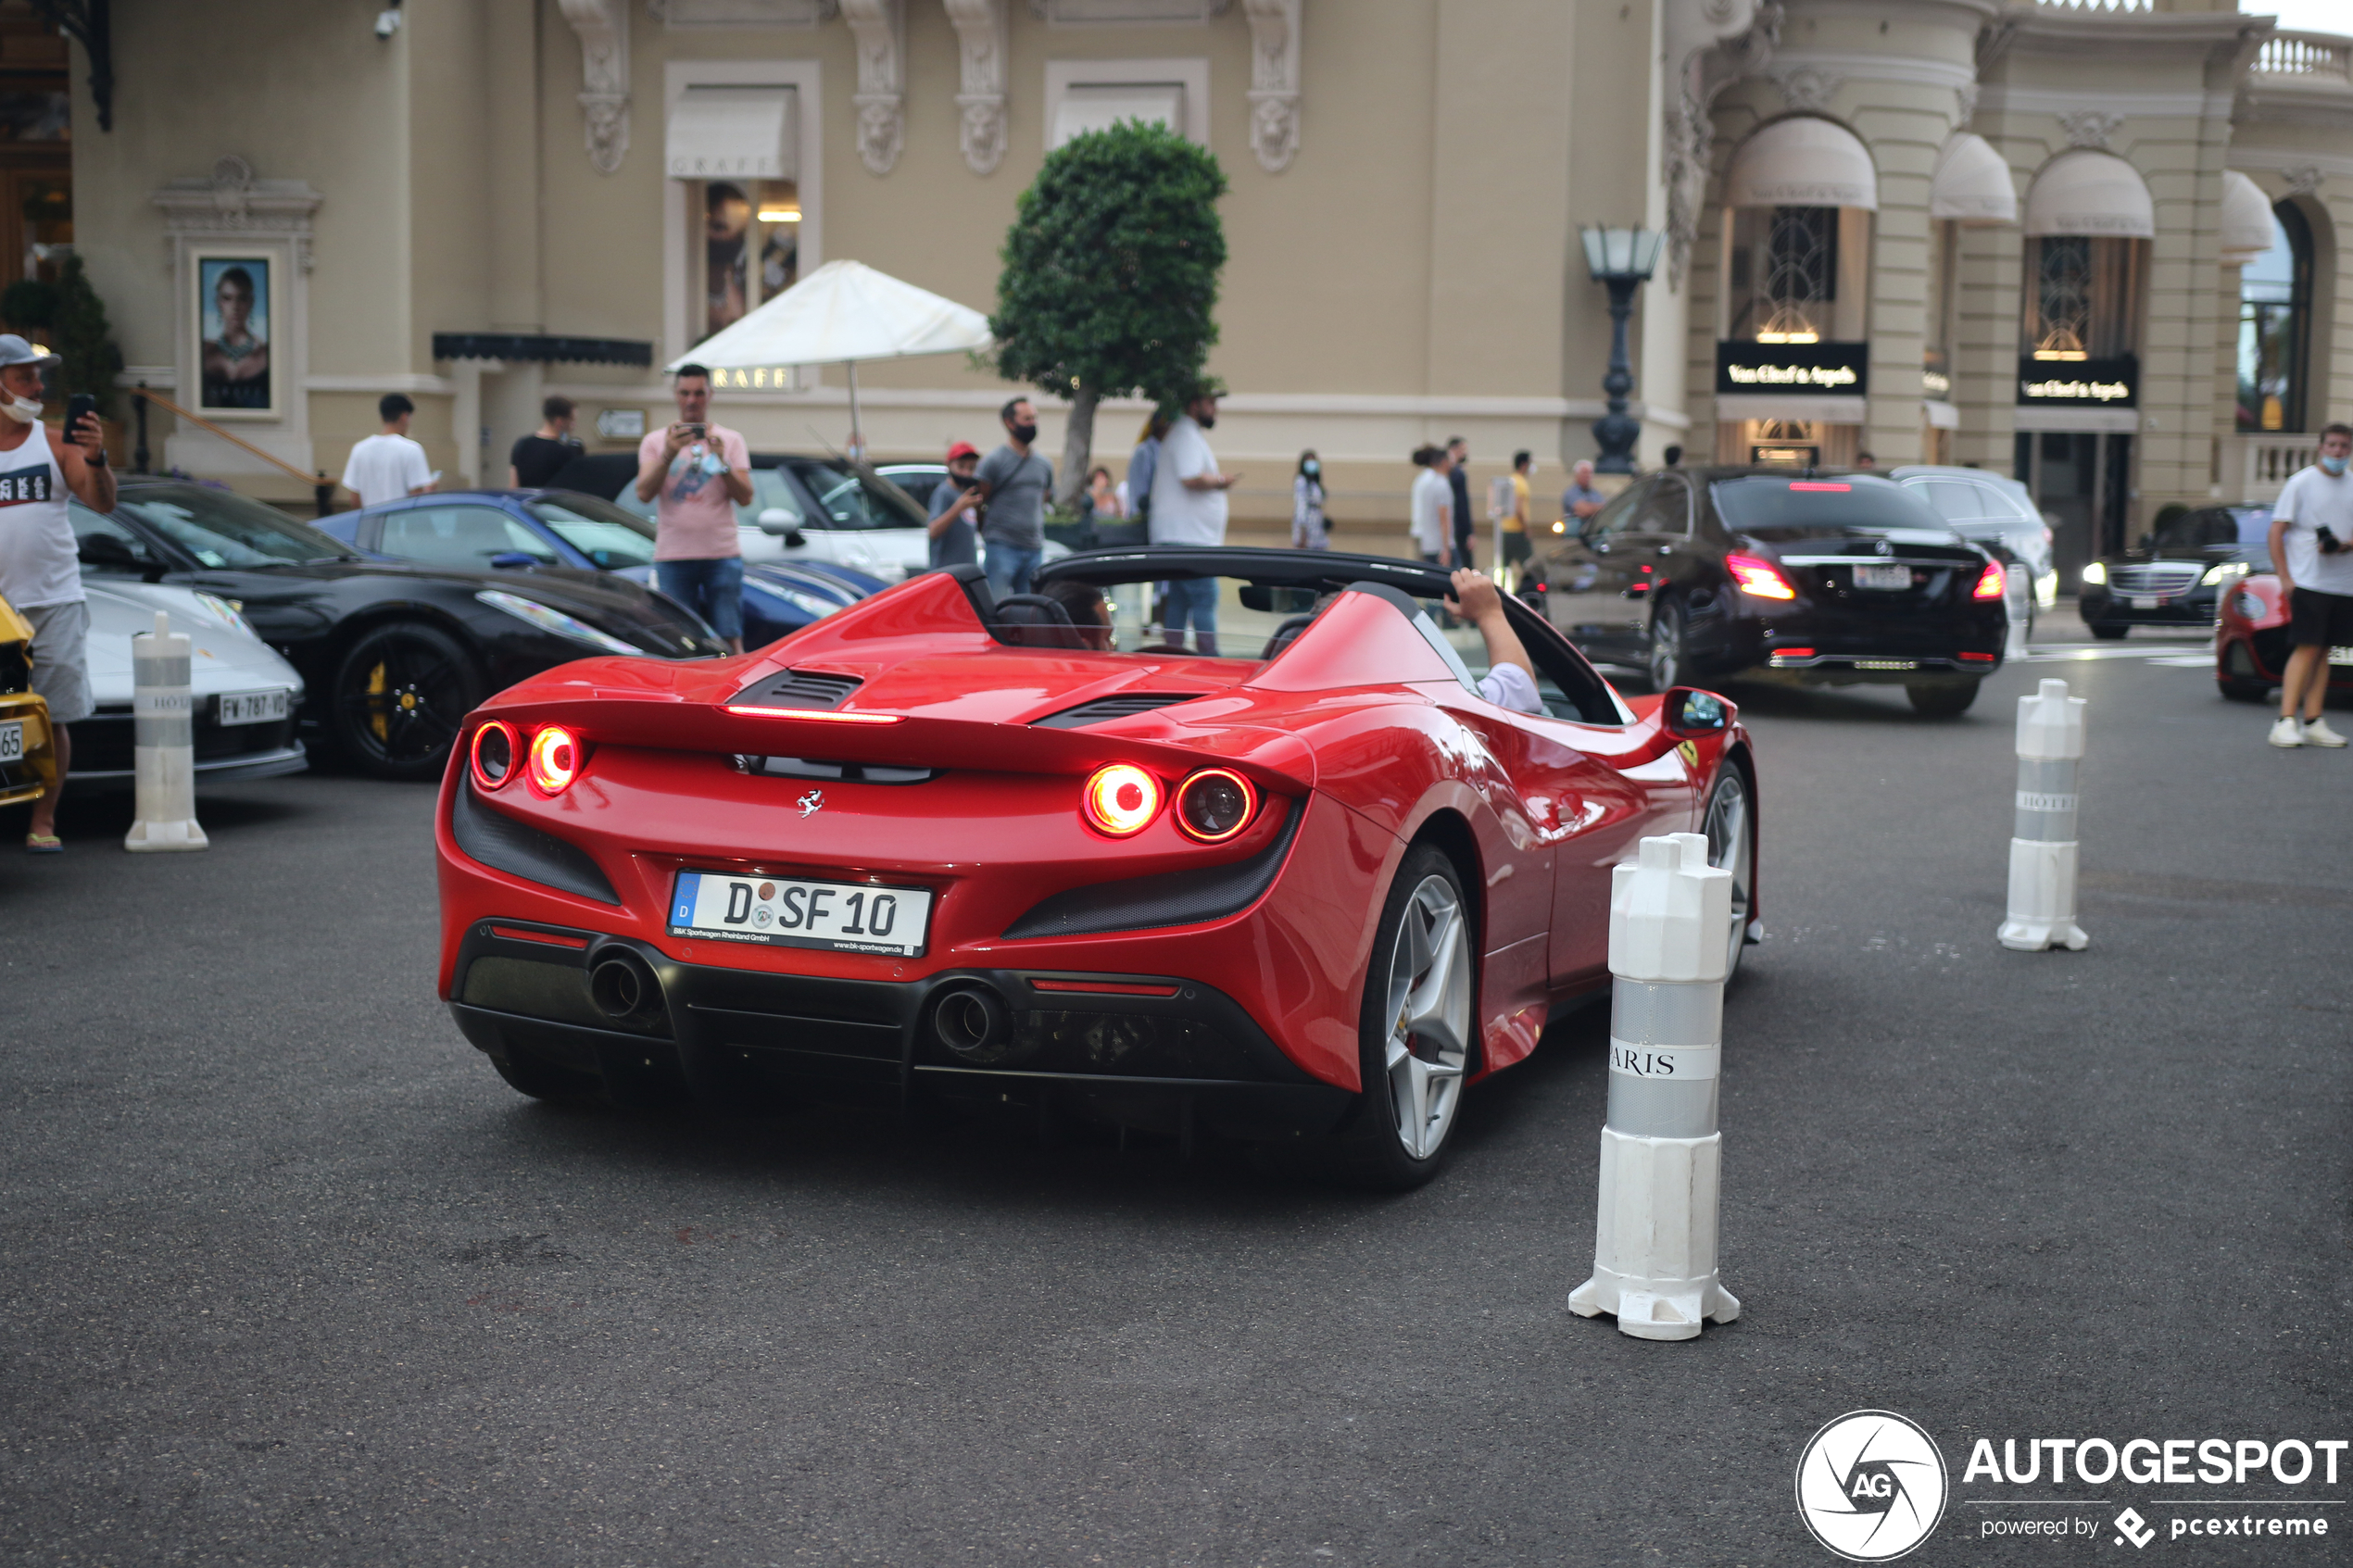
39	572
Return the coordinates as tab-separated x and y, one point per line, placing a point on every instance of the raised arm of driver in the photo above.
1477	600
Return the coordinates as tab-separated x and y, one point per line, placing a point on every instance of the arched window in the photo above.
2275	314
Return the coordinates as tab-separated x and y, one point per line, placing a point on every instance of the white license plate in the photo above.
12	742
1882	577
252	707
843	916
2146	601
2336	655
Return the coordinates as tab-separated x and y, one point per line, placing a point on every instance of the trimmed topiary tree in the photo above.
1110	280
80	333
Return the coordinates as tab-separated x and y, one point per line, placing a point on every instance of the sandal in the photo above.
43	844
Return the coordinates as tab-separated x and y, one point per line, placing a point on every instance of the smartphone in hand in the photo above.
79	407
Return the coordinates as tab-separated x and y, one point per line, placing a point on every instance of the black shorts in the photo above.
1515	548
2317	619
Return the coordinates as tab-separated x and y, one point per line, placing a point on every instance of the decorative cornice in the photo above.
603	28
2089	128
980	105
1707	44
1808	88
2303	179
880	28
231	200
1274	81
1126	12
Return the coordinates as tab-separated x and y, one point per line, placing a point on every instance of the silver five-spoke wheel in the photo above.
1429	1007
1731	847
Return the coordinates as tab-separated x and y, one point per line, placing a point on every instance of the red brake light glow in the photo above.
1760	578
555	760
1816	484
1978	657
1215	804
492	756
749	711
1121	799
1103	988
1989	582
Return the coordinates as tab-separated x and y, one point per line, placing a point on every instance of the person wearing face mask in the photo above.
2312	550
1014	483
39	572
1309	531
1188	508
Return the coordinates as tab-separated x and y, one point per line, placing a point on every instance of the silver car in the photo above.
1988	509
246	696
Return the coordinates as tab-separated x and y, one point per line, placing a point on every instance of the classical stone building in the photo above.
2093	244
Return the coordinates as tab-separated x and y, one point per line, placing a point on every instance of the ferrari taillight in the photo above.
493	755
1121	799
1760	579
555	760
1989	582
1215	804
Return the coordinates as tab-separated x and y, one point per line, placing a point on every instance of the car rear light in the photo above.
1761	578
1103	988
1121	799
1213	805
1977	658
555	760
1989	582
493	755
753	710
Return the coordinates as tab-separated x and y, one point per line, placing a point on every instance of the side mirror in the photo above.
1693	712
513	561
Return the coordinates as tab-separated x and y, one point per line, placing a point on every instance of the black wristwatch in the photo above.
96	460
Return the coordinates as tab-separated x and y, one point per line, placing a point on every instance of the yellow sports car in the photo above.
27	761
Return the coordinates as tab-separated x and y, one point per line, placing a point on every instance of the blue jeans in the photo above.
1010	568
712	589
1193	599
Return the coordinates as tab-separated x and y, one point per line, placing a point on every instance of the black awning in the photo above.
542	348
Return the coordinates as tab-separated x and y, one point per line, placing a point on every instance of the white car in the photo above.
1989	508
245	694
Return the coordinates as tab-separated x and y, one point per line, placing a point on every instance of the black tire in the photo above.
2109	634
1729	823
2244	691
1666	663
399	696
2239	680
557	1086
1370	1150
1942	701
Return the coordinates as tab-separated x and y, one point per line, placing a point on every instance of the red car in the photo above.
1304	886
2250	641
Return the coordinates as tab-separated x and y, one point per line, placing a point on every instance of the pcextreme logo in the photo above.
1870	1486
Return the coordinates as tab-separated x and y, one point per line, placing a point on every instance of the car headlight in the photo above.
548	619
2218	575
2095	573
230	610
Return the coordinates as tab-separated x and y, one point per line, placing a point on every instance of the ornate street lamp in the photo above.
1619	258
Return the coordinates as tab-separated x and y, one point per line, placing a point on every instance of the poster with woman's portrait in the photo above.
233	311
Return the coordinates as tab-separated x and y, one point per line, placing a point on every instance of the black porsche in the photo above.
393	656
1712	573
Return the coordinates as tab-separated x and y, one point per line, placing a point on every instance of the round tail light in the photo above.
493	754
1213	805
555	760
1121	799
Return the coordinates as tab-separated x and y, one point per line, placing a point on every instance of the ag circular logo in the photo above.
1870	1486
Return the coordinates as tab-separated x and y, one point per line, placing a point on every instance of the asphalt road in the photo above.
291	1277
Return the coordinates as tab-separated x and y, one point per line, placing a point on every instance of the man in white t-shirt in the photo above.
2312	550
386	465
1433	504
1188	508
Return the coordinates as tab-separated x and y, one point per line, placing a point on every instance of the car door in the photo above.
1654	551
1588	579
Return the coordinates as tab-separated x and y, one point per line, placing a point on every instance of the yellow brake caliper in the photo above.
377	722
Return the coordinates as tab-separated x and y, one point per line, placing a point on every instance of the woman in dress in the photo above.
1309	530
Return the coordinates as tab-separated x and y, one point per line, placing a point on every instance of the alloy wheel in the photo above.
405	697
1430	1005
1730	848
1666	649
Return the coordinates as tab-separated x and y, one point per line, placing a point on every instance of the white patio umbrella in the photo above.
843	312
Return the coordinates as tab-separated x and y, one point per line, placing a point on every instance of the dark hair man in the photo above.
2312	548
539	456
1458	481
701	472
387	465
1014	483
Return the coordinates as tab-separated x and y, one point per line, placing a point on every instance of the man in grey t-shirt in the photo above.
1014	485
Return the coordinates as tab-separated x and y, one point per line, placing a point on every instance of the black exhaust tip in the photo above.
626	988
971	1021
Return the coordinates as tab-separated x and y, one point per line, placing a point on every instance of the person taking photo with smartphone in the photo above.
701	472
39	572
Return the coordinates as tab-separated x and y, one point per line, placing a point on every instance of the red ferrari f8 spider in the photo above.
1302	880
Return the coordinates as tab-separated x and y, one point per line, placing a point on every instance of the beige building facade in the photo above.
2017	236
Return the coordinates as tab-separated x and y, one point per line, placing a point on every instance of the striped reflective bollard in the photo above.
164	751
2050	754
1655	1246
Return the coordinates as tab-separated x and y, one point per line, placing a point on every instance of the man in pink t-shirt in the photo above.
702	472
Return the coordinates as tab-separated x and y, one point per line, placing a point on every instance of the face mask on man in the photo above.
27	411
1312	468
2333	467
1206	421
1024	433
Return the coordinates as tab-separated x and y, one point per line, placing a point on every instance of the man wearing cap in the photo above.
955	509
39	572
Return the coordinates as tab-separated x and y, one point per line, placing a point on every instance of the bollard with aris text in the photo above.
163	743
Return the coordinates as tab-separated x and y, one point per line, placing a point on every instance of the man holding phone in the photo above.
701	472
40	571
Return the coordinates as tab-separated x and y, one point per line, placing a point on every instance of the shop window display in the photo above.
2275	310
749	251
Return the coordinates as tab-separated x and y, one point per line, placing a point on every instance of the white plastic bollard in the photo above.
2014	641
1655	1246
163	743
2050	754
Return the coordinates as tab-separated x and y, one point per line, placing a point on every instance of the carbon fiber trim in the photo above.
504	844
1177	898
1104	709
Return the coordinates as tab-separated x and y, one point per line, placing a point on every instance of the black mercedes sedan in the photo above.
2179	574
1706	574
393	656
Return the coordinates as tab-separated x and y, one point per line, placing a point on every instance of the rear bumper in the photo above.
1867	669
1160	1050
267	764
